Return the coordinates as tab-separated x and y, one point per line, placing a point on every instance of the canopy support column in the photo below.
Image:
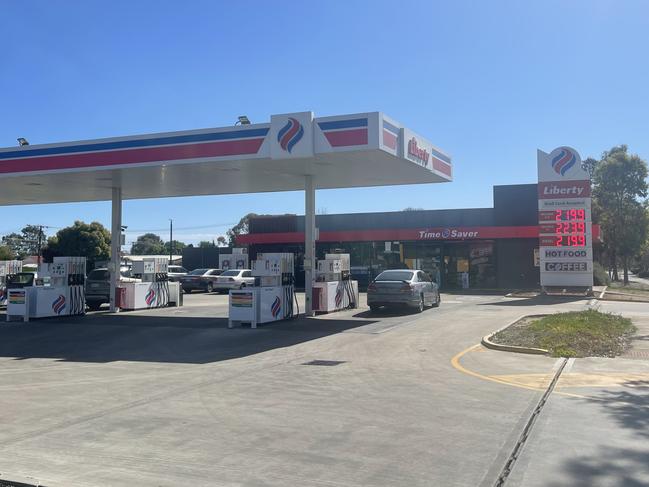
309	243
115	246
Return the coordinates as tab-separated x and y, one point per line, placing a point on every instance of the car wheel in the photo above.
210	287
421	306
437	301
94	306
374	308
243	284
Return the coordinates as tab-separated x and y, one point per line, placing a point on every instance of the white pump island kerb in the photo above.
295	151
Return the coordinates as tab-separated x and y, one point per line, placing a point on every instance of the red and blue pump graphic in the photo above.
150	297
563	162
290	134
58	305
276	307
339	297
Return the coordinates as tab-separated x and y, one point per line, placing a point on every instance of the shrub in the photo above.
600	275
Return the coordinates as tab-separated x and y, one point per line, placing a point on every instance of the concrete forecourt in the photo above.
173	397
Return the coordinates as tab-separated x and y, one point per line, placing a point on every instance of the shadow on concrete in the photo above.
535	301
610	466
179	339
387	312
629	408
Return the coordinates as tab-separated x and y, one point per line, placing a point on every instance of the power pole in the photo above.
40	242
171	239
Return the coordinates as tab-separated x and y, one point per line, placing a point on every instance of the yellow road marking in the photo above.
455	362
503	379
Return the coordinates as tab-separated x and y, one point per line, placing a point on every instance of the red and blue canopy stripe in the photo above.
390	135
344	133
134	151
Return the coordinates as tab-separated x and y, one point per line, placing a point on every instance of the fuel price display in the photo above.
570	215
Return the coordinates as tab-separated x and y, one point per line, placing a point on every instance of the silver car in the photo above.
403	288
234	279
176	272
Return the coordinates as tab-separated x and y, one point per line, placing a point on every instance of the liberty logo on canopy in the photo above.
563	161
290	134
59	304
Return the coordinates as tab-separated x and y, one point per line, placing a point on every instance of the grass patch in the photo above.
575	334
636	288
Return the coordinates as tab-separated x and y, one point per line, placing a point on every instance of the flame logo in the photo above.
276	307
150	297
290	134
59	304
563	161
339	297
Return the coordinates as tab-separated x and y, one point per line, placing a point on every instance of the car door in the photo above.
426	286
247	278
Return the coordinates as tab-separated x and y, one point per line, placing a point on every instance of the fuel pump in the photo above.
7	268
273	296
238	259
59	290
154	290
334	290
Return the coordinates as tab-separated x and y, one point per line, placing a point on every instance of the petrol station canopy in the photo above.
363	149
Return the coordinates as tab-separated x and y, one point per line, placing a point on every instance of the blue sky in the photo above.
488	82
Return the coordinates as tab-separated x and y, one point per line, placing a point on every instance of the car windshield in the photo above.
174	268
99	275
197	272
395	276
231	273
21	278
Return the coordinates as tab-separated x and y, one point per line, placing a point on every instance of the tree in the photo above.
589	165
410	208
27	242
221	241
148	244
204	244
619	181
6	253
177	248
240	228
89	240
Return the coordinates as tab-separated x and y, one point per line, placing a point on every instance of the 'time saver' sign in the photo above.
565	227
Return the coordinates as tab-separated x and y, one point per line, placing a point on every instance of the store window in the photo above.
469	266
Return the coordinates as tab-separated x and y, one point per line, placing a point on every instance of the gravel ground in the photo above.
518	334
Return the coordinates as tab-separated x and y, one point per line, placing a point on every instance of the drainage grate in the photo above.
325	363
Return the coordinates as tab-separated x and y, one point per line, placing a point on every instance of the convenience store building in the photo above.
475	248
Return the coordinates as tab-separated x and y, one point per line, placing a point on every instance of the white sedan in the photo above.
233	279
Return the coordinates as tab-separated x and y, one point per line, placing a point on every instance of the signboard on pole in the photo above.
565	226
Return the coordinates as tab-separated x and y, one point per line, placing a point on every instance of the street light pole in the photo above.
171	239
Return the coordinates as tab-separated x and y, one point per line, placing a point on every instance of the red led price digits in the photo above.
570	241
569	215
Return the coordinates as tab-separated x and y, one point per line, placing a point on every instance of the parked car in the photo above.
175	272
234	279
412	288
200	280
98	286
